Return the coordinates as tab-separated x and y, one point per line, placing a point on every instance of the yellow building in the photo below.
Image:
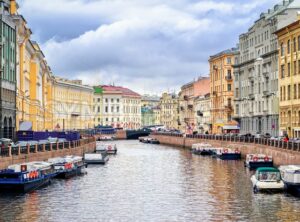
72	104
289	79
222	91
169	111
34	81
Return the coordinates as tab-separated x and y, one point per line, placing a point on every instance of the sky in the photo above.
150	46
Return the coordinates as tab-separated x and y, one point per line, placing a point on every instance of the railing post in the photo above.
19	150
63	145
44	147
28	148
292	145
9	151
36	148
69	144
50	146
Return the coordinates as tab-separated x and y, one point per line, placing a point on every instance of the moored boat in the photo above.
96	158
227	154
254	161
291	177
26	177
106	148
106	138
202	149
267	179
68	166
148	140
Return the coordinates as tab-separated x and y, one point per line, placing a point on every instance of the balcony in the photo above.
229	78
237	99
266	74
251	78
199	113
251	96
186	98
190	106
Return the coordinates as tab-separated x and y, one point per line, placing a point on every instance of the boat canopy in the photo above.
267	169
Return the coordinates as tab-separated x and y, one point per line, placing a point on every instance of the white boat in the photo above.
254	161
227	153
290	175
96	158
202	149
267	179
108	148
68	166
106	138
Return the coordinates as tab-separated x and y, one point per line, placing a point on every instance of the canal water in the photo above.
153	183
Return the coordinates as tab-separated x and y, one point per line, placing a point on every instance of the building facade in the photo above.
117	106
169	111
8	71
186	108
148	114
289	79
256	72
222	91
203	114
73	105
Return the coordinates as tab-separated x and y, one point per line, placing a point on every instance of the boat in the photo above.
106	138
68	166
202	149
290	175
227	154
26	177
148	140
254	161
106	148
96	158
267	179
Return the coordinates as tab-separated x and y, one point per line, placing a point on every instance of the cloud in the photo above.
149	45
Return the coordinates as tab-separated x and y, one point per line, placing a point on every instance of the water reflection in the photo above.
153	183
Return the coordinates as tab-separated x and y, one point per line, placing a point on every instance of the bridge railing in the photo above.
48	147
291	145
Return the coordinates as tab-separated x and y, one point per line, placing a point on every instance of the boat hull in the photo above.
112	152
229	156
293	188
97	161
70	173
202	152
24	187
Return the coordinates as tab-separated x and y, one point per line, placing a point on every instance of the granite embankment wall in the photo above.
43	153
281	155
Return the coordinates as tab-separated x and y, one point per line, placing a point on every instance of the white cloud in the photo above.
149	45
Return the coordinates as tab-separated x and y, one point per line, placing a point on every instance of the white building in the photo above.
203	114
117	106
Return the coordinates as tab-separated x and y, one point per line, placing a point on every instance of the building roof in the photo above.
230	51
202	86
152	98
119	89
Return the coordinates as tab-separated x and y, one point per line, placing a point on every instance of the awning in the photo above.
227	127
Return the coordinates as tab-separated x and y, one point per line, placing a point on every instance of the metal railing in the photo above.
48	147
293	146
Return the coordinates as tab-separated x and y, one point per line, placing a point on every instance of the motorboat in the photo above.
106	148
267	179
68	166
290	175
26	177
254	161
227	154
202	149
96	158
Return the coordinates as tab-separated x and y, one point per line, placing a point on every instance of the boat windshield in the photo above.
269	176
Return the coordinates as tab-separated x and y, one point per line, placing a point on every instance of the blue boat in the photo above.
26	177
227	154
68	166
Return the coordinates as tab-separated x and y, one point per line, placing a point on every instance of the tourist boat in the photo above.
227	154
96	158
267	179
202	149
106	138
106	148
290	175
68	166
254	161
26	177
148	140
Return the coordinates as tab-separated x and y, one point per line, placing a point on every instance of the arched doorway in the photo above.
10	128
5	128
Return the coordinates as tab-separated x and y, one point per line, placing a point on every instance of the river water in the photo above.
153	183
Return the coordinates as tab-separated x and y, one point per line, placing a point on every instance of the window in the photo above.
106	109
289	69
106	119
280	93
228	60
118	109
98	109
98	120
289	92
295	91
98	100
106	100
299	43
283	92
112	100
288	46
282	48
118	100
295	68
112	109
229	87
299	91
294	45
